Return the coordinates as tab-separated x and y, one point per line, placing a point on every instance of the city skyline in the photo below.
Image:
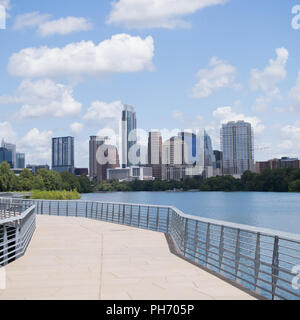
198	69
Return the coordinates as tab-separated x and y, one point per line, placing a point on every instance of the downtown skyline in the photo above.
219	68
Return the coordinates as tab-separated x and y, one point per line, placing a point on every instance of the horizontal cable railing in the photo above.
261	260
17	225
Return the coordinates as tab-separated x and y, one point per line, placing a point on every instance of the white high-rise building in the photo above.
237	146
128	133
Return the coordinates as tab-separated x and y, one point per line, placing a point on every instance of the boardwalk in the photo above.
73	258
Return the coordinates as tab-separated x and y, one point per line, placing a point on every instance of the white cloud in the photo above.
30	20
44	98
294	95
226	114
37	145
262	103
7	132
76	127
46	27
156	13
220	75
120	54
6	4
272	74
290	143
101	110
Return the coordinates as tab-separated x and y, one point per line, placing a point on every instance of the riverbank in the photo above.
55	195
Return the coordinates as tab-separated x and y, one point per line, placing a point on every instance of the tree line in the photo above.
279	180
44	180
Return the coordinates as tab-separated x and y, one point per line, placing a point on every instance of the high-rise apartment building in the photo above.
237	147
20	161
11	147
155	154
102	157
128	133
63	154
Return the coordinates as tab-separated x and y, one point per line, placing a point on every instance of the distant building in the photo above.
63	154
155	154
237	147
20	161
11	147
129	126
36	168
6	156
188	155
283	163
108	158
219	163
130	174
81	172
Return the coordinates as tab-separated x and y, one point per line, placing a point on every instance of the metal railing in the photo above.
258	259
17	225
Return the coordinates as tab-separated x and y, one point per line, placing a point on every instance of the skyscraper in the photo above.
63	154
11	147
237	147
128	133
109	153
6	156
155	154
20	161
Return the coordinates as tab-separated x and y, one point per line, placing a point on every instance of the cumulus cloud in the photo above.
30	20
273	73
43	98
37	145
220	75
290	143
120	54
47	27
156	13
7	132
76	127
100	110
226	114
6	4
294	95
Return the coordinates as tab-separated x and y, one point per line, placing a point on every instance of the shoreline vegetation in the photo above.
51	185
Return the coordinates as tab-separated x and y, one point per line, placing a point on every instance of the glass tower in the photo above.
63	154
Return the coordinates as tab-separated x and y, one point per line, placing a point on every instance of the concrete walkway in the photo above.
72	258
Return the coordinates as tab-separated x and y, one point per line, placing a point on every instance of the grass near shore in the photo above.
55	195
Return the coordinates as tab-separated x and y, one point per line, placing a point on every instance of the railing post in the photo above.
207	243
185	237
76	209
196	239
139	217
102	211
157	219
148	217
237	253
92	208
113	213
50	208
58	208
119	214
221	248
131	206
257	259
42	208
168	221
275	266
86	210
107	208
124	210
97	209
67	209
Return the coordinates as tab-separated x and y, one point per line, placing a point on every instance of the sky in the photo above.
66	68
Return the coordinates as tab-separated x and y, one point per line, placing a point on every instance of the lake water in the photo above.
279	211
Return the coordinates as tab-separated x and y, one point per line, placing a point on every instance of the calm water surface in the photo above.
279	211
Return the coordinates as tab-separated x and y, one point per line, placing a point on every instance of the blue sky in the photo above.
181	64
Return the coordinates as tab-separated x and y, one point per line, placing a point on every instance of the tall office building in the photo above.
98	169
128	133
11	147
155	154
237	147
20	161
63	154
6	156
